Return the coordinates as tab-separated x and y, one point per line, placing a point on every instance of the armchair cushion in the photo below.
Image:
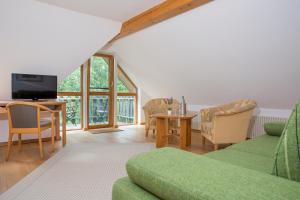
237	107
274	128
287	161
125	189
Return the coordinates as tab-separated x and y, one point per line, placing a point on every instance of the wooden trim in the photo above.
126	94
99	93
81	99
136	108
104	55
110	94
157	14
69	94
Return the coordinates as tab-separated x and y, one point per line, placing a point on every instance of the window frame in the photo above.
110	93
135	94
77	94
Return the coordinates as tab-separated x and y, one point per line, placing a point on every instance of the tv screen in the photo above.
31	86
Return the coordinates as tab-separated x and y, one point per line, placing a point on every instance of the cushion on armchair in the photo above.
287	160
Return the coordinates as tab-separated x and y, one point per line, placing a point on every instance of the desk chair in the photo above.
25	118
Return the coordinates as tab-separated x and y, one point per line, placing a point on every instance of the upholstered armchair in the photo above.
155	106
226	124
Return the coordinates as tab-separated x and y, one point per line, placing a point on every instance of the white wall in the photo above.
43	39
219	52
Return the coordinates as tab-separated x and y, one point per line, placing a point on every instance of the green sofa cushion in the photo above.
125	189
172	174
264	145
287	161
244	159
274	128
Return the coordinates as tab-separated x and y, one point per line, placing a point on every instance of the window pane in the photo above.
98	110
73	111
125	110
124	84
99	74
122	87
71	83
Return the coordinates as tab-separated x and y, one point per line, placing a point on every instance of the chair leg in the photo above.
52	136
19	141
216	147
203	140
147	132
41	145
10	136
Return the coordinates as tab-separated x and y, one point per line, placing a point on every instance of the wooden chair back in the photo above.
24	115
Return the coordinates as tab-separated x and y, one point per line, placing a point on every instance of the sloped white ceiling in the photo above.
119	10
43	39
225	50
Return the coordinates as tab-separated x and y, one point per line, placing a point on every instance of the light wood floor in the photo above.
24	161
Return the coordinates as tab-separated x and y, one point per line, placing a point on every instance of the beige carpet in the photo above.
78	172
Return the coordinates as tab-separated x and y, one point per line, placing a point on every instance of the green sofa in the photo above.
242	171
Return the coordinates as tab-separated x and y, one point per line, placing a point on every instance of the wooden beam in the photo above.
159	13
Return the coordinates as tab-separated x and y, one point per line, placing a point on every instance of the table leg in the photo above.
189	132
161	132
64	124
185	133
57	126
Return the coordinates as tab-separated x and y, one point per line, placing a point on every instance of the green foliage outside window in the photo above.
121	87
99	74
71	83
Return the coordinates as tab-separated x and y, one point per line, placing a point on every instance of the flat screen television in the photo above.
32	86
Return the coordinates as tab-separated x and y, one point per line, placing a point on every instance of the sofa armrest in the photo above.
173	174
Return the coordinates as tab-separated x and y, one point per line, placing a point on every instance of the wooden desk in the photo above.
58	105
162	123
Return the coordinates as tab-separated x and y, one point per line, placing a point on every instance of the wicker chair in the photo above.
155	106
227	124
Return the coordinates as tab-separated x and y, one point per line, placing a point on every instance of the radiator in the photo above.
256	127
